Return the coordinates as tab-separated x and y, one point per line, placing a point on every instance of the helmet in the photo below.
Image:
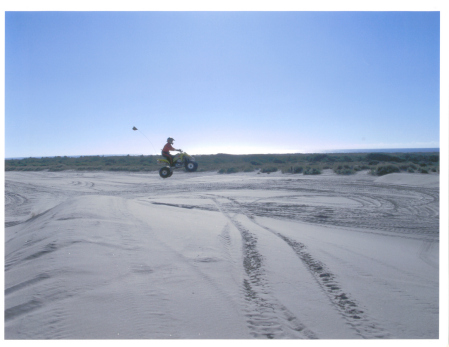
170	140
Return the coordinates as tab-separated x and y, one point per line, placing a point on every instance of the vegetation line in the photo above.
308	164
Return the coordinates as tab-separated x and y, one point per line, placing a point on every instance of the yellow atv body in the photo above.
179	160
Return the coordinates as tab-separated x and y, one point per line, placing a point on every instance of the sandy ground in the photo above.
242	256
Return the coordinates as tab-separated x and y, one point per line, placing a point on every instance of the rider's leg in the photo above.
169	158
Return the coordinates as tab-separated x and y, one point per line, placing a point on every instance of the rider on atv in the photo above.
167	148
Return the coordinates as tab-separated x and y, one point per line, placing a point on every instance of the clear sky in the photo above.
220	82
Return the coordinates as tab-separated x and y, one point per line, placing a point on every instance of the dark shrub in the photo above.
321	157
269	169
434	158
386	169
231	170
310	171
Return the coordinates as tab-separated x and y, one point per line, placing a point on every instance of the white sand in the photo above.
202	255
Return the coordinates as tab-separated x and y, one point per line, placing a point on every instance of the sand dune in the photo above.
241	256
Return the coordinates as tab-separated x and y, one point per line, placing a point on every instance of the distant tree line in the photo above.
307	164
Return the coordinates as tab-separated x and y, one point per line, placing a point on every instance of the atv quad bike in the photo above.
179	160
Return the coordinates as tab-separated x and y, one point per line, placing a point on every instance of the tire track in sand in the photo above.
266	317
341	300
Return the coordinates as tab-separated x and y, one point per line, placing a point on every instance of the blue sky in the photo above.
220	82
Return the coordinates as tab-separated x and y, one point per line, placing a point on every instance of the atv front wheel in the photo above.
191	166
165	172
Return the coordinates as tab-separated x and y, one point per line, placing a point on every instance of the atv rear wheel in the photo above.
191	166
165	172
